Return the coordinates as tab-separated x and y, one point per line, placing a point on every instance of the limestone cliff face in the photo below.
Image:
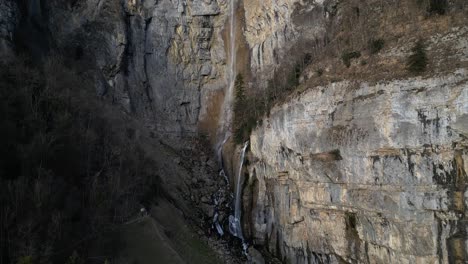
274	27
365	164
374	173
163	61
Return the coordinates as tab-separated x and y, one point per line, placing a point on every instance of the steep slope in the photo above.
359	159
356	113
92	91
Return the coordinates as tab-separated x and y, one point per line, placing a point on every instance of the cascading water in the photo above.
224	132
235	226
226	112
226	117
222	173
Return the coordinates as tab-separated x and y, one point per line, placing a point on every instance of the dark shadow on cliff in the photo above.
32	35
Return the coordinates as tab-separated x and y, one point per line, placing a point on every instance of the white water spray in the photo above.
224	123
235	226
224	129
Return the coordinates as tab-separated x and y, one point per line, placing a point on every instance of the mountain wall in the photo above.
162	61
354	157
365	162
368	173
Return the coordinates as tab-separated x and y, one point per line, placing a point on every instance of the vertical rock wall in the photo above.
364	164
274	28
163	61
369	174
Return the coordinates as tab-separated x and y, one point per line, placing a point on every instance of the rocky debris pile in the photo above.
210	193
208	190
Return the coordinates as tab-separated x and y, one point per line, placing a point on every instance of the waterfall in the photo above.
219	152
224	132
235	226
232	50
226	112
224	122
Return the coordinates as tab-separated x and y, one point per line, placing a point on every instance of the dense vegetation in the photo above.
68	168
376	45
438	7
347	57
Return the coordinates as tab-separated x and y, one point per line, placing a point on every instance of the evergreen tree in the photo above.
239	109
417	61
240	91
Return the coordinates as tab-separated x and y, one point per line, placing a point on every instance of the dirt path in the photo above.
163	237
145	243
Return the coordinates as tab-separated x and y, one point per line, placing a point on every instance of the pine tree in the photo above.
239	109
417	61
240	91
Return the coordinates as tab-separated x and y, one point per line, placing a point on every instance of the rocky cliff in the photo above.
354	159
154	68
162	61
365	163
373	173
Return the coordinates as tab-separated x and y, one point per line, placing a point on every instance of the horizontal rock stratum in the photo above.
373	174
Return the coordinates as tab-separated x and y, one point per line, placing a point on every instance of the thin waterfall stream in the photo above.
226	111
224	129
224	133
235	225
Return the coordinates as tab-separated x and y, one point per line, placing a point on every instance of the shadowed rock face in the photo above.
160	60
9	17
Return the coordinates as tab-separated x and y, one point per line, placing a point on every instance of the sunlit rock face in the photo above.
273	28
361	168
374	173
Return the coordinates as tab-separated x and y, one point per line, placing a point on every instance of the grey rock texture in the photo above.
354	171
368	173
272	29
9	18
160	60
364	167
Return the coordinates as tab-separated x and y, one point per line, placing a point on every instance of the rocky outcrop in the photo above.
368	173
373	173
274	28
364	163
